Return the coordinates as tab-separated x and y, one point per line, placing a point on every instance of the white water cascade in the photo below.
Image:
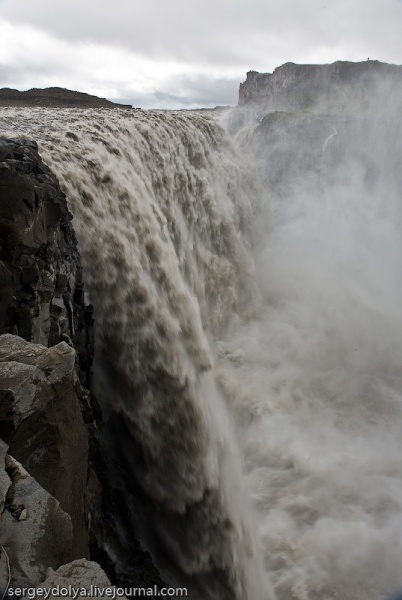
248	351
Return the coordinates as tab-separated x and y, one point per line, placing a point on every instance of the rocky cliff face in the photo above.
342	87
35	532
333	123
41	421
43	399
41	298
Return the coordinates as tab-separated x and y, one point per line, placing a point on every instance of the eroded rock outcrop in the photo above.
41	421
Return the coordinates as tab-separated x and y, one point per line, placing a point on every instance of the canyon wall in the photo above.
341	87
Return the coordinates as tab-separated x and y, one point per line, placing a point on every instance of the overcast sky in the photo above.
184	53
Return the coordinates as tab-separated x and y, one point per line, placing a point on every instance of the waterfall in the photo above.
326	144
162	211
248	342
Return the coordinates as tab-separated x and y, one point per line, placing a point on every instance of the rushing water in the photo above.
248	346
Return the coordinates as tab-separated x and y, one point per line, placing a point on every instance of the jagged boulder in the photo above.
77	574
41	421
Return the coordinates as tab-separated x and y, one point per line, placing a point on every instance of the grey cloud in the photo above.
223	32
219	38
191	92
180	92
21	75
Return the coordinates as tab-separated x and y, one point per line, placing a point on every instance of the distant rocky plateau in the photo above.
54	97
342	87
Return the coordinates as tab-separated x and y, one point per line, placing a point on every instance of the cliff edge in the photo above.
339	87
45	362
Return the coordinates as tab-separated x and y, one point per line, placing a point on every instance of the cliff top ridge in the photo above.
339	86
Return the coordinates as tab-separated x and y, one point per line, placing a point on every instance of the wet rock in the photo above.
34	531
41	421
79	574
5	481
6	290
41	290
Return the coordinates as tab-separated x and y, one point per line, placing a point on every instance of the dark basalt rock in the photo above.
41	422
42	398
41	297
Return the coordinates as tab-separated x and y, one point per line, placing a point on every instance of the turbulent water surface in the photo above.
249	326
